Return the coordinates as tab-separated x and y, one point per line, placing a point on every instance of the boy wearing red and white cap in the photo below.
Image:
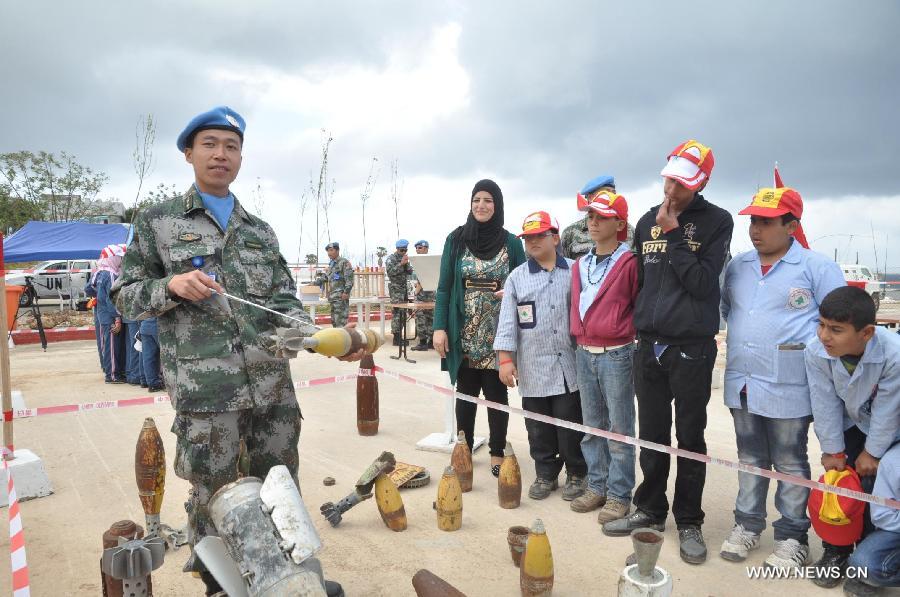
534	348
604	287
681	246
770	299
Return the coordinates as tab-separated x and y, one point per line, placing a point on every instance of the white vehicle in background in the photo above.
53	279
862	277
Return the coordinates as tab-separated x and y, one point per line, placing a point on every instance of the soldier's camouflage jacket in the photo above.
215	353
397	275
340	278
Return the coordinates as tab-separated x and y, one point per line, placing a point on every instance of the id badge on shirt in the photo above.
525	313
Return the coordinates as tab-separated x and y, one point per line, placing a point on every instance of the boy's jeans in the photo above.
879	553
766	443
607	402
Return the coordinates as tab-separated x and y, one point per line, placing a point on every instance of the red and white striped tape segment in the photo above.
25	413
47	271
16	539
704	458
445	391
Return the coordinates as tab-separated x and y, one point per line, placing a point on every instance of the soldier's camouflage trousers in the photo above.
207	449
340	312
424	325
396	297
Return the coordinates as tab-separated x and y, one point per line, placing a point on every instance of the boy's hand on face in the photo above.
834	462
665	217
866	465
508	374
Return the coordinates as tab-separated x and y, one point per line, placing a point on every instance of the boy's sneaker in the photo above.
829	569
857	588
638	519
613	509
541	488
789	553
738	544
587	501
693	547
574	487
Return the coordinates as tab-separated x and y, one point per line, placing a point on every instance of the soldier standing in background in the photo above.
218	360
340	284
398	269
424	317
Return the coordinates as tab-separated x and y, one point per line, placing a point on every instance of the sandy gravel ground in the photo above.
90	461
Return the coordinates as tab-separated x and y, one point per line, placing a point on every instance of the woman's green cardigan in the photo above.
448	309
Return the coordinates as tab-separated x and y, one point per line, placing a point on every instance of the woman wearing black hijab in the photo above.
476	259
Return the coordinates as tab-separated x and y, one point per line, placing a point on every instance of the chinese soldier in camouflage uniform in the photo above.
424	317
224	380
576	241
340	283
398	271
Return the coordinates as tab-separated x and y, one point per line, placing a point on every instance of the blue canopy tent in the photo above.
40	241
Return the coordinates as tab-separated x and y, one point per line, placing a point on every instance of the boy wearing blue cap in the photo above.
398	269
424	317
220	366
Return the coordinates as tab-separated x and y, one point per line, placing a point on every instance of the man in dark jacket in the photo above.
681	248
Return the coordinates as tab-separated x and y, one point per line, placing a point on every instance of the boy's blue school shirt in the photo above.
534	324
869	399
770	319
887	484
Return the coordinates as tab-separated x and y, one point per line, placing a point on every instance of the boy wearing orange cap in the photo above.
681	246
853	368
534	349
770	299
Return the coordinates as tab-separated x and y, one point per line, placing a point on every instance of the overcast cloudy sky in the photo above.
539	96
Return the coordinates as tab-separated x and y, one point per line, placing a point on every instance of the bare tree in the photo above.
304	203
396	190
327	200
142	157
322	199
363	198
259	198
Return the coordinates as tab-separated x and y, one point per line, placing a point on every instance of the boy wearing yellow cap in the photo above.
534	349
770	300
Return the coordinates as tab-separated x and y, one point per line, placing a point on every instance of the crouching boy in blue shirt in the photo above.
770	299
854	381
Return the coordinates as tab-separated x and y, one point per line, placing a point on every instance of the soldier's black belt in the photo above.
481	284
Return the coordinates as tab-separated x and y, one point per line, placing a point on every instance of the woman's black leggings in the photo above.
473	382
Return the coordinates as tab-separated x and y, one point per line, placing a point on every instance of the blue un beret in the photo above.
421	243
220	117
333	245
401	244
604	180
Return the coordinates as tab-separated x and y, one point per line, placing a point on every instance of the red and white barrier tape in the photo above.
445	391
25	413
704	458
16	539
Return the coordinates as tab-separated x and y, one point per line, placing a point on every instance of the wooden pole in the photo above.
5	386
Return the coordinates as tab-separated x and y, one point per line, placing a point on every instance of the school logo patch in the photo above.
655	232
526	313
799	299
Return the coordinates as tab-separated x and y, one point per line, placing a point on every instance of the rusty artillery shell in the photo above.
536	569
150	472
390	504
461	461
449	501
428	584
111	587
509	483
367	397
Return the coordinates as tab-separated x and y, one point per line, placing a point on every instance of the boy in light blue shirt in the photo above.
854	381
770	301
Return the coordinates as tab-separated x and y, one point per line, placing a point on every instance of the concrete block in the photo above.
29	477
